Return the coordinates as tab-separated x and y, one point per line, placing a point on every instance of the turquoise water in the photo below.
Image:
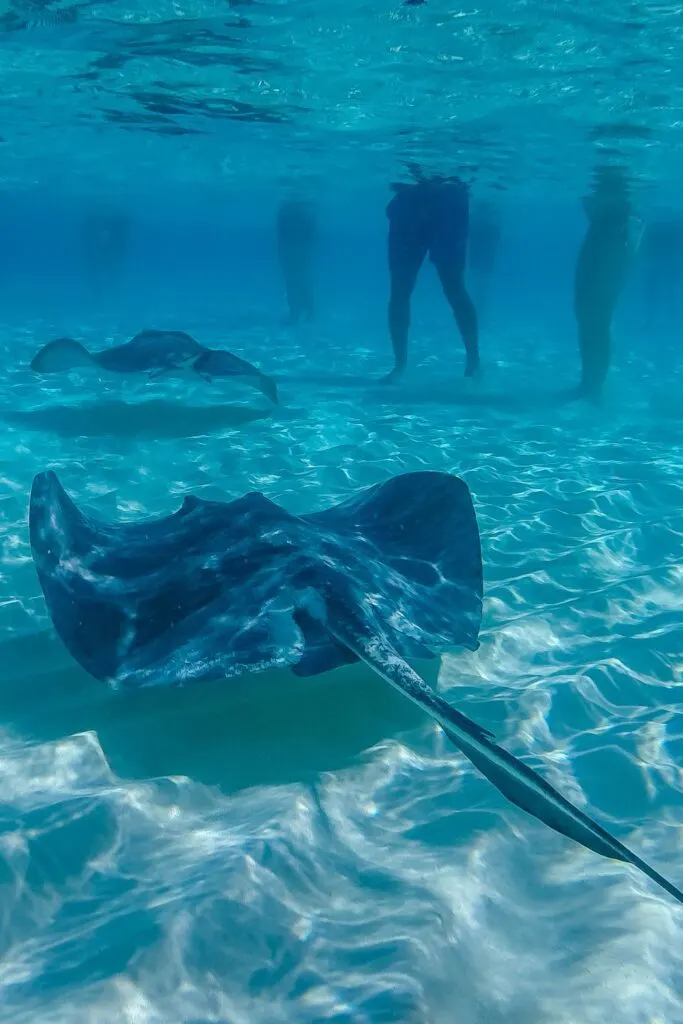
299	851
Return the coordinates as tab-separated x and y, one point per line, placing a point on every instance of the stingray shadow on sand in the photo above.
152	419
273	729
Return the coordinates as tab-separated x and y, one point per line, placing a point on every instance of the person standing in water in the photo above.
105	236
601	269
429	216
296	235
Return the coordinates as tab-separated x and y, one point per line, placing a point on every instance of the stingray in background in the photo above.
154	353
216	590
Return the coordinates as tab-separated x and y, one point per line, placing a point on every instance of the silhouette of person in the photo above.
601	268
429	216
106	237
296	237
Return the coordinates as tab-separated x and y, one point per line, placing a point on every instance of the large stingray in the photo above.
154	353
218	589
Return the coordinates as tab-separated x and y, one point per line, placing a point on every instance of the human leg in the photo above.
407	250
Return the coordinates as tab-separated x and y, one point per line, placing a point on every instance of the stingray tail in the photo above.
60	355
519	783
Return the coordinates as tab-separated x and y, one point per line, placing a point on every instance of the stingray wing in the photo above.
198	594
218	362
60	355
214	363
409	550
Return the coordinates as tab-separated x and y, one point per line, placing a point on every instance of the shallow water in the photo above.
397	885
301	851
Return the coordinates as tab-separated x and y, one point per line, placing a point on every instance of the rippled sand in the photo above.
398	886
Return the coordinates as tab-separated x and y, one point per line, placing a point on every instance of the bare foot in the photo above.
392	378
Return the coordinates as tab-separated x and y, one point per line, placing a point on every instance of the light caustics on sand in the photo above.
216	590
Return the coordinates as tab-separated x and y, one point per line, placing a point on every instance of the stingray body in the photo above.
154	353
217	590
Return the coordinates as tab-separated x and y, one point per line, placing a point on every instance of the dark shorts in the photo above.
429	219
